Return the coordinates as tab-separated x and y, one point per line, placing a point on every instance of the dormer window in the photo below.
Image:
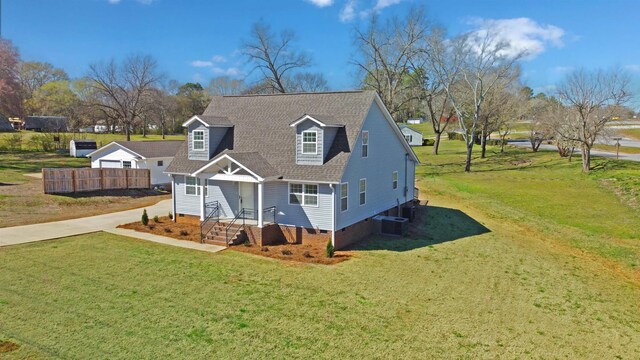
198	140
309	142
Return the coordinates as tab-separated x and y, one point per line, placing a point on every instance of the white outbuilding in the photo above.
82	148
413	137
152	155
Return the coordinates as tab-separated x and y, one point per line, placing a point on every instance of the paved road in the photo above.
527	144
58	229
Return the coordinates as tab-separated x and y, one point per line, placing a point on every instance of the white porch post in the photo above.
260	200
333	214
203	183
173	198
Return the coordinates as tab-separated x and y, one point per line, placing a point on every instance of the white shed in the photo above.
152	155
413	137
82	148
414	121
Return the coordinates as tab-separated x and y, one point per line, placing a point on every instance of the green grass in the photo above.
612	148
14	165
523	258
101	139
631	133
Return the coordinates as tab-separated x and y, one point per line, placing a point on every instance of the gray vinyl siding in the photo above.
226	193
309	159
327	141
277	193
198	155
185	204
416	139
386	154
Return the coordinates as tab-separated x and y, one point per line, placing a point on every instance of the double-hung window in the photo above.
395	180
309	142
363	191
303	194
192	185
409	138
198	140
344	196
365	144
126	164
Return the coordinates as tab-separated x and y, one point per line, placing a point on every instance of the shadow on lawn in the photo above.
432	225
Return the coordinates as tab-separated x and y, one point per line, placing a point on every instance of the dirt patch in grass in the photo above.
8	346
313	252
166	227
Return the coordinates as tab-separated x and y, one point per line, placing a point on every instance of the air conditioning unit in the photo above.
391	225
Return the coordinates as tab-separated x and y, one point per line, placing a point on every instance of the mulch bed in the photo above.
166	227
8	346
311	252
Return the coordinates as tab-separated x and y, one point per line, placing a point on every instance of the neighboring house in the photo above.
82	148
413	137
414	121
323	163
5	125
152	155
46	123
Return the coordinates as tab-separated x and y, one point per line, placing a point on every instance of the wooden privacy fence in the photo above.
68	180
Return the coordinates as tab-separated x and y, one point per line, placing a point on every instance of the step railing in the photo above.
242	215
271	209
211	220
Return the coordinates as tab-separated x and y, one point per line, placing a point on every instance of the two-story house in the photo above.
292	165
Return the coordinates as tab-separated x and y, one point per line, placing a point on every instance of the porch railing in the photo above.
211	220
271	209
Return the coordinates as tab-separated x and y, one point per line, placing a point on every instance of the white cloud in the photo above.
114	1
563	69
321	3
348	12
232	71
381	4
201	63
522	35
633	67
143	2
218	59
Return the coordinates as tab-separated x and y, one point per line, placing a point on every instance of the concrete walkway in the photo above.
166	240
59	229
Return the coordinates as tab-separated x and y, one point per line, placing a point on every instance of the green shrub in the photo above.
170	215
455	136
330	249
145	217
156	219
184	233
13	142
428	142
42	142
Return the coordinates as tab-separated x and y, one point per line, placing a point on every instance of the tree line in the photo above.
469	84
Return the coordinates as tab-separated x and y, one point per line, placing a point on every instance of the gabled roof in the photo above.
209	121
322	120
145	149
402	127
262	124
5	124
56	123
252	162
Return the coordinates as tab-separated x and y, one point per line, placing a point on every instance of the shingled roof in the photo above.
148	149
261	125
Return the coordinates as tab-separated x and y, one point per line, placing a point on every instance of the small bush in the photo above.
168	230
264	249
330	249
13	142
247	243
145	217
170	215
184	233
286	252
151	227
454	136
156	219
307	254
428	142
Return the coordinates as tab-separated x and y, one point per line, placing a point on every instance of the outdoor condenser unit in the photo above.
391	225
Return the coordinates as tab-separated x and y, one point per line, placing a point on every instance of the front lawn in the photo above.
524	258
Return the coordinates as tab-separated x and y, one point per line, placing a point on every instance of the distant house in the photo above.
5	125
413	137
99	127
414	121
450	119
46	123
152	155
82	148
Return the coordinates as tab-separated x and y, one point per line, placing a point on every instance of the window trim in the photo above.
344	197
196	185
360	192
130	164
160	163
394	180
193	140
303	194
302	142
363	144
408	137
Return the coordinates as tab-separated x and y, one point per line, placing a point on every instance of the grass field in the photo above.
101	139
22	200
525	258
612	148
630	133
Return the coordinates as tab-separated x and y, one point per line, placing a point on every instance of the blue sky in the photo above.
195	40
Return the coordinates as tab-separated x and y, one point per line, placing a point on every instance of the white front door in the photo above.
246	196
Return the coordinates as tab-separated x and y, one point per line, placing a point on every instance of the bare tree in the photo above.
35	74
308	82
160	108
224	85
10	92
273	55
484	63
593	98
389	59
500	108
122	88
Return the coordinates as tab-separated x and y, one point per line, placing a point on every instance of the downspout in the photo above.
406	189
173	198
333	215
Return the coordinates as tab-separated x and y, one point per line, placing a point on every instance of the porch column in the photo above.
173	198
203	183
260	201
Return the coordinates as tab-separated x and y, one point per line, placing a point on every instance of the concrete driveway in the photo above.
58	229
